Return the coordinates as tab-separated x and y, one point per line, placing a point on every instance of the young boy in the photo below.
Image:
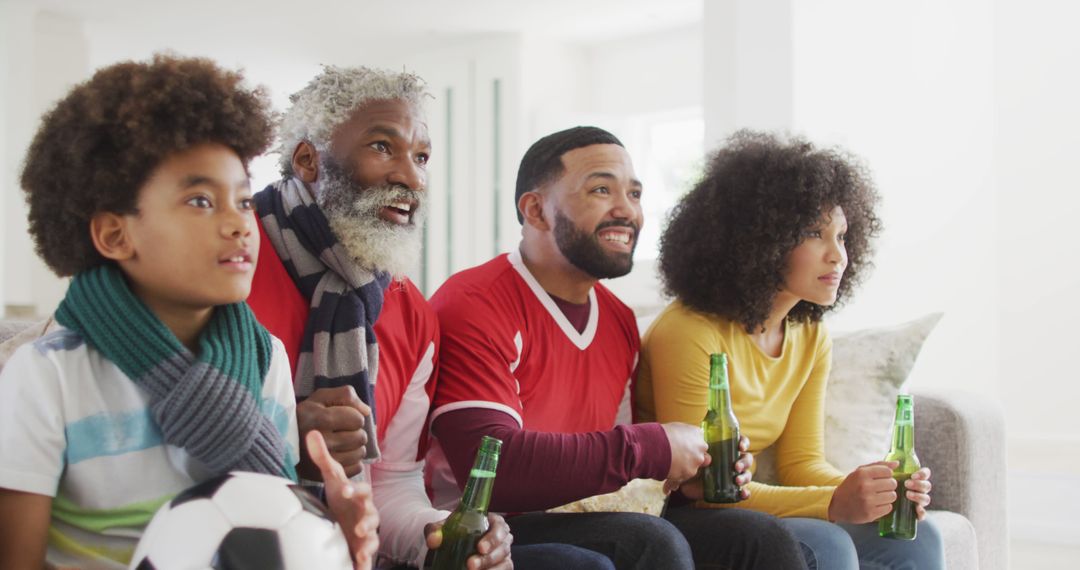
160	376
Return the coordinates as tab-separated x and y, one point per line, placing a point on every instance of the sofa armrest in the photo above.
961	437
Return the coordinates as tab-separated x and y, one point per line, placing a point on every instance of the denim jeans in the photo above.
561	556
686	538
632	541
831	546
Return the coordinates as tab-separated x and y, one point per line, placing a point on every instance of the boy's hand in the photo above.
492	550
351	504
866	495
339	415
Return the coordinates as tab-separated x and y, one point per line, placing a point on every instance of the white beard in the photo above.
372	242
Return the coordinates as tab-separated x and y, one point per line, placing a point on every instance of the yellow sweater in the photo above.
779	401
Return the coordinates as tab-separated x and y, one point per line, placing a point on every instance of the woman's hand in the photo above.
866	494
492	550
742	467
351	503
918	490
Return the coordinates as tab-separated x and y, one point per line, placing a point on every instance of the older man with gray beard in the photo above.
340	231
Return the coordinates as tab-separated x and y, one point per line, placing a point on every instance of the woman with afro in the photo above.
776	234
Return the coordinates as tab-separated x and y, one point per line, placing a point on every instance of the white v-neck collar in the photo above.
582	339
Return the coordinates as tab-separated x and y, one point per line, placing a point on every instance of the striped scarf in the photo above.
339	346
207	404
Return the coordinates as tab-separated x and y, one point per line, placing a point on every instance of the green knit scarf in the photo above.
208	404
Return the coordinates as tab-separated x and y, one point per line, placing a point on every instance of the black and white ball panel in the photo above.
240	521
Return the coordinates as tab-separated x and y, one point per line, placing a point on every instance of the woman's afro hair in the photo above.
725	248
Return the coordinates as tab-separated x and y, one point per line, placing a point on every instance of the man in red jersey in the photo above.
340	231
538	354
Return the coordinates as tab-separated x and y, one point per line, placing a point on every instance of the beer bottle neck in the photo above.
903	438
719	392
719	398
477	493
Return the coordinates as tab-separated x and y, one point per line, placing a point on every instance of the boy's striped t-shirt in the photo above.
74	427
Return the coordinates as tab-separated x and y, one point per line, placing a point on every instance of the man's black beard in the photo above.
584	251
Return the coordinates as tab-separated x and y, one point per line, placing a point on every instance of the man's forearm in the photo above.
404	510
540	470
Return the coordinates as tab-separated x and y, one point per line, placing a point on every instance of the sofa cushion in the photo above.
15	333
958	536
11	327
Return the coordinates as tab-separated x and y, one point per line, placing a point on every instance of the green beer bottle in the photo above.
901	522
722	434
469	521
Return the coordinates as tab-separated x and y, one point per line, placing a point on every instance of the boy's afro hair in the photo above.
101	142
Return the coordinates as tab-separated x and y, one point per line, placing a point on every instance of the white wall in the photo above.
911	91
747	68
45	56
1036	147
646	73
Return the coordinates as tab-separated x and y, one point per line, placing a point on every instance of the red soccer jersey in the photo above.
508	347
408	336
407	332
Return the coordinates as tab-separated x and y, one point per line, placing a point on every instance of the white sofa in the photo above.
960	435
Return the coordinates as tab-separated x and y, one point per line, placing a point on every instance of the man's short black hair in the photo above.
542	163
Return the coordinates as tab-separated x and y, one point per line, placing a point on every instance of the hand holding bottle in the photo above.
688	453
721	480
902	520
694	489
492	550
470	524
742	467
866	494
918	490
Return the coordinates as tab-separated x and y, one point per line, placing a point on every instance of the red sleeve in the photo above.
479	345
540	470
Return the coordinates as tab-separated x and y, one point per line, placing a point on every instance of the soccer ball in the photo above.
239	521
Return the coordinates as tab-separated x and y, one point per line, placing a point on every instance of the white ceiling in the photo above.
580	21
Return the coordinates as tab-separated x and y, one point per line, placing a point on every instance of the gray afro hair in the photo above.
332	97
